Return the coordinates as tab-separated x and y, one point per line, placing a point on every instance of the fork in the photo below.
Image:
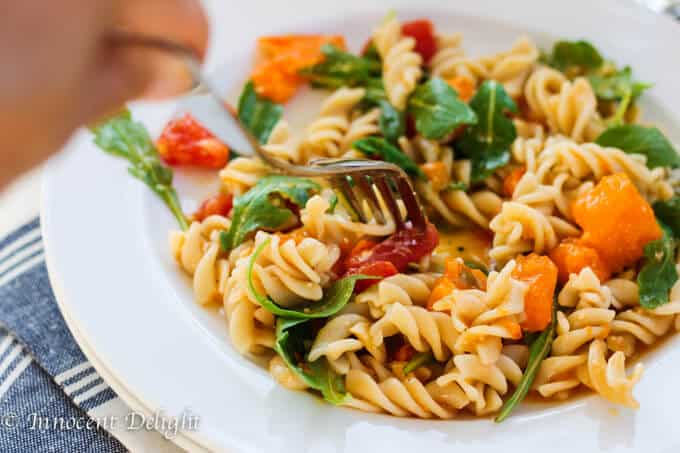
358	181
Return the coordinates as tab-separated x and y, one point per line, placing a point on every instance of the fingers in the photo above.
124	72
182	21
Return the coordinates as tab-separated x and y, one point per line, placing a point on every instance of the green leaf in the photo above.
418	360
292	338
457	185
575	55
648	141
538	350
615	86
668	212
437	110
392	122
258	114
340	69
333	300
371	53
375	92
264	207
474	265
658	274
618	86
376	147
330	384
123	137
488	142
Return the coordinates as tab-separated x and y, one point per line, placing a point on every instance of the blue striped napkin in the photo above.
51	398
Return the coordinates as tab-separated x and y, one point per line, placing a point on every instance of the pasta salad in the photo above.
549	261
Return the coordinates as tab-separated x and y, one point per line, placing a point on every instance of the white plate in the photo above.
106	248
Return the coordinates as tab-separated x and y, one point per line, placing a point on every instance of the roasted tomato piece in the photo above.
405	246
422	31
379	269
219	204
185	141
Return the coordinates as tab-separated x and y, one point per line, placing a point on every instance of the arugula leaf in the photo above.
618	85
658	274
340	69
258	114
488	142
538	350
392	122
418	360
332	302
457	185
292	335
648	141
377	147
668	212
375	92
123	137
263	207
574	55
475	265
371	53
437	110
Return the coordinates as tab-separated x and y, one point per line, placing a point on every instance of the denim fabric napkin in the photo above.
51	398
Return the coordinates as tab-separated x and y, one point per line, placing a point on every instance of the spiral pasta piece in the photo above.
511	68
337	227
484	318
283	375
342	335
251	327
400	289
591	317
548	198
457	207
450	61
326	135
559	374
242	173
608	377
401	65
482	383
290	271
361	125
280	144
401	397
568	108
424	330
519	228
198	253
591	162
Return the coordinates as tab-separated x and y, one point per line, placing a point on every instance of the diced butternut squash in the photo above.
464	86
511	180
541	275
616	221
571	257
442	288
456	276
513	328
462	276
437	173
281	57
